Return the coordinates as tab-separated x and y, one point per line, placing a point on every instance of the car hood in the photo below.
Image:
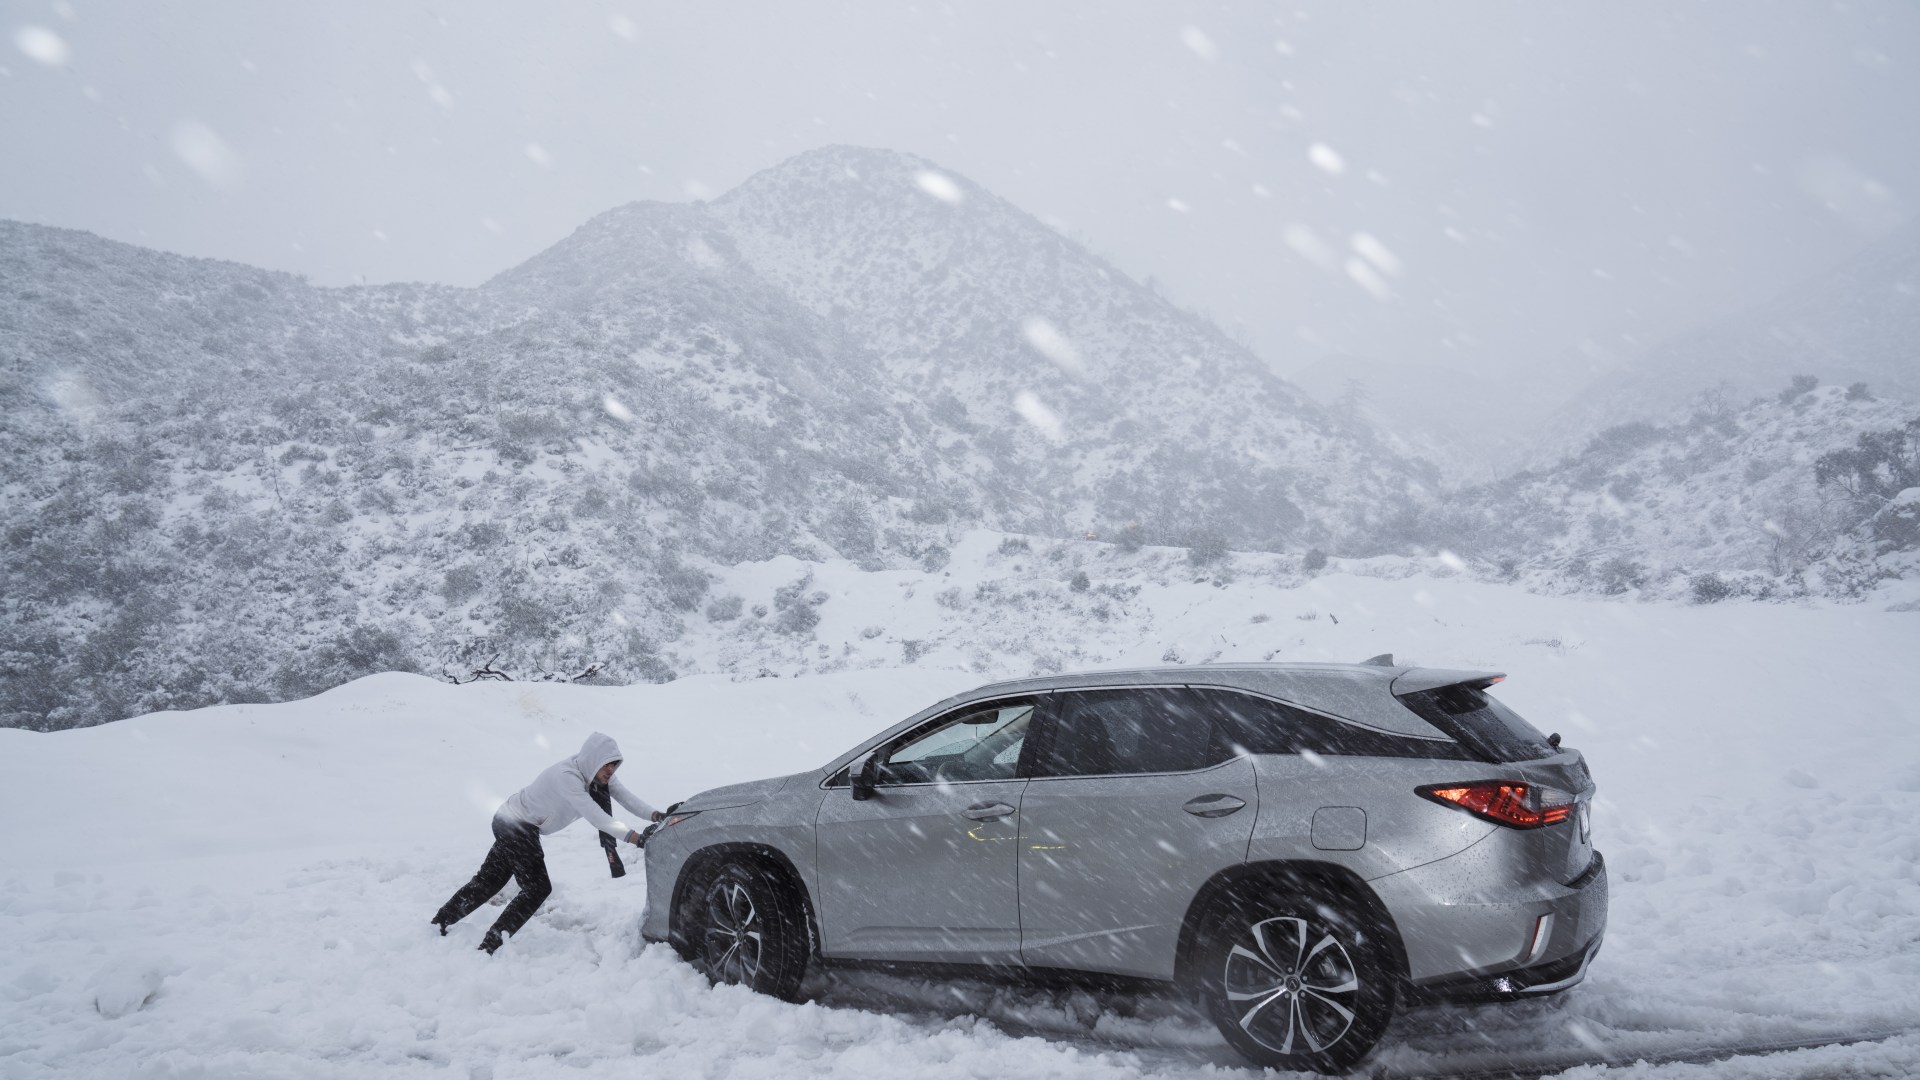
734	794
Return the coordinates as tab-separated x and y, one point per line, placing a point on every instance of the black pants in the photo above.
515	854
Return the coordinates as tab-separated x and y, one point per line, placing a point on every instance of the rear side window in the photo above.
1114	732
1262	726
1481	723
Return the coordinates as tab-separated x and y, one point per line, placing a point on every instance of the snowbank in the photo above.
244	890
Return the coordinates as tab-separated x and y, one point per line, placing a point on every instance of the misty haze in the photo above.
393	397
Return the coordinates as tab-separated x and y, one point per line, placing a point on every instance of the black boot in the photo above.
443	926
491	942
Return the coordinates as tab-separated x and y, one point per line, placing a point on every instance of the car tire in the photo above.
748	927
1295	973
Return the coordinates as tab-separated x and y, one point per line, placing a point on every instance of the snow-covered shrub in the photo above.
1206	546
1800	387
798	612
1079	582
683	586
1875	475
1619	574
460	584
1315	560
358	651
797	619
850	529
1710	588
725	608
930	510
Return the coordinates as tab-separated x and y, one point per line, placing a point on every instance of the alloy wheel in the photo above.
1291	982
732	934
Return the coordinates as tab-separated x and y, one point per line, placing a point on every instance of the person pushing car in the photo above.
565	792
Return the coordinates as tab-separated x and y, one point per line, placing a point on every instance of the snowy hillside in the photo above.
244	890
1729	501
226	485
221	484
1855	322
1468	426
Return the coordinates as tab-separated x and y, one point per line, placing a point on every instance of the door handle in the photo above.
987	811
1212	806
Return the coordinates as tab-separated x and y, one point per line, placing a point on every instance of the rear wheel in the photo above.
748	926
1295	974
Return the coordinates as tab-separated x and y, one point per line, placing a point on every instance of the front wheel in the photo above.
1296	976
750	929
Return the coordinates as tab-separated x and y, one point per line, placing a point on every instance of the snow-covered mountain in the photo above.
1463	423
219	483
1729	500
224	484
1856	322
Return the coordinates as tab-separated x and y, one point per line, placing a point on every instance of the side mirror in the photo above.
861	775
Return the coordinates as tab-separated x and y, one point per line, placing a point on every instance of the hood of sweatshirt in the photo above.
594	753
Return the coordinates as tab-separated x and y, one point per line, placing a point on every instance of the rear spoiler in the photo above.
1414	680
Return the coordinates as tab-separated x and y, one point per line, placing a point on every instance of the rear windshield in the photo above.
1481	724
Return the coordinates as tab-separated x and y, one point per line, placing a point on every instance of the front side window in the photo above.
977	743
1115	732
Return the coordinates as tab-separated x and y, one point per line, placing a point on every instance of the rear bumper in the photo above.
1537	981
1460	941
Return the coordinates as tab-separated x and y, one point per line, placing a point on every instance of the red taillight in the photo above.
1512	803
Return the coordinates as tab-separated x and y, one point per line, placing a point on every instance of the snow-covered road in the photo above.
243	891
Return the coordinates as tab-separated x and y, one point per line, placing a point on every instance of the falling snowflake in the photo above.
1326	159
1365	276
1035	412
438	93
1369	247
1049	342
1307	244
206	153
42	44
1197	40
940	186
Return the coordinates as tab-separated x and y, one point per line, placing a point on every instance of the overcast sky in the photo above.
1546	178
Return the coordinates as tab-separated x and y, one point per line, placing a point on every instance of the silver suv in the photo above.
1304	847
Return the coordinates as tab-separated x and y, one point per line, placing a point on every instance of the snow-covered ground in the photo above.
243	891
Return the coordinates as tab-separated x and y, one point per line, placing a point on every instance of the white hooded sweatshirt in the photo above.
558	796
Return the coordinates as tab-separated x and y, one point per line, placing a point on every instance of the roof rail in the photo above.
1385	659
